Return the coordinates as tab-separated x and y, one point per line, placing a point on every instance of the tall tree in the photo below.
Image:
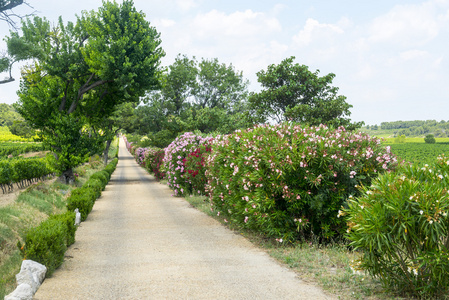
83	71
292	92
201	95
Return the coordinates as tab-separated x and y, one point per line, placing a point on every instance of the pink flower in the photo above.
246	219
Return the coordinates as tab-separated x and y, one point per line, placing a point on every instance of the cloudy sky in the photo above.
390	57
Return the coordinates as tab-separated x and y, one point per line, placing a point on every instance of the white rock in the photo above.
31	273
22	292
77	217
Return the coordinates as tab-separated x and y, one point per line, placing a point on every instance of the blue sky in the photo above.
390	57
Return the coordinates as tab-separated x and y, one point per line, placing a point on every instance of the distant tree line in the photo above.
415	128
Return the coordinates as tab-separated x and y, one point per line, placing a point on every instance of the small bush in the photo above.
96	184
102	176
68	219
401	225
429	139
82	198
46	244
289	182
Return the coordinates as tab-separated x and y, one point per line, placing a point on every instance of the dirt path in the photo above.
139	242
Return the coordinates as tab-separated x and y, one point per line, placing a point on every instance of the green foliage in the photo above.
14	149
8	115
107	58
289	182
46	244
419	153
68	219
292	92
102	176
196	95
429	139
23	171
21	128
82	198
401	225
400	139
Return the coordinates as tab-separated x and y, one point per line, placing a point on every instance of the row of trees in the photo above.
209	96
102	73
415	128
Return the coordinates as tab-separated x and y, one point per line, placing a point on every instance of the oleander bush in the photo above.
173	160
154	162
400	223
195	167
289	181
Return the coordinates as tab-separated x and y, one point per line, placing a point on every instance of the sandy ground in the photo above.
139	242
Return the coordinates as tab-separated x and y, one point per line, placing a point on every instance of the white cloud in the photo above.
165	23
316	31
237	24
186	5
406	25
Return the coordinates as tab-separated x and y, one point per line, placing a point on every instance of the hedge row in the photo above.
285	181
48	242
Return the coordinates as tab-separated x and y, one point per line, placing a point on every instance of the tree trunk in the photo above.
106	151
67	176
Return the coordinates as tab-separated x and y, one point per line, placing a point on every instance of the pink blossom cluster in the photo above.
304	172
175	154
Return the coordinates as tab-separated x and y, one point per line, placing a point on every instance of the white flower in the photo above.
421	212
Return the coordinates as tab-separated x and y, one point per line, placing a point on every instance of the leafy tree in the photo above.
21	128
429	139
207	96
292	92
83	71
8	115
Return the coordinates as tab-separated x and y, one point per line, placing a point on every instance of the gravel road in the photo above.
139	242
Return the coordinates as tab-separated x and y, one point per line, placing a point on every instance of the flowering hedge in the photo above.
174	162
401	225
288	181
154	162
195	167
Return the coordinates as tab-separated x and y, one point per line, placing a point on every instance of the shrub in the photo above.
82	198
401	225
68	219
175	153
429	139
95	184
46	244
195	167
154	162
289	182
102	176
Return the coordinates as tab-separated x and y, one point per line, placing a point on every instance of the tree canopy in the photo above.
290	91
203	95
82	72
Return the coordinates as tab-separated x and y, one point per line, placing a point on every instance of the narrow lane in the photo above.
139	242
